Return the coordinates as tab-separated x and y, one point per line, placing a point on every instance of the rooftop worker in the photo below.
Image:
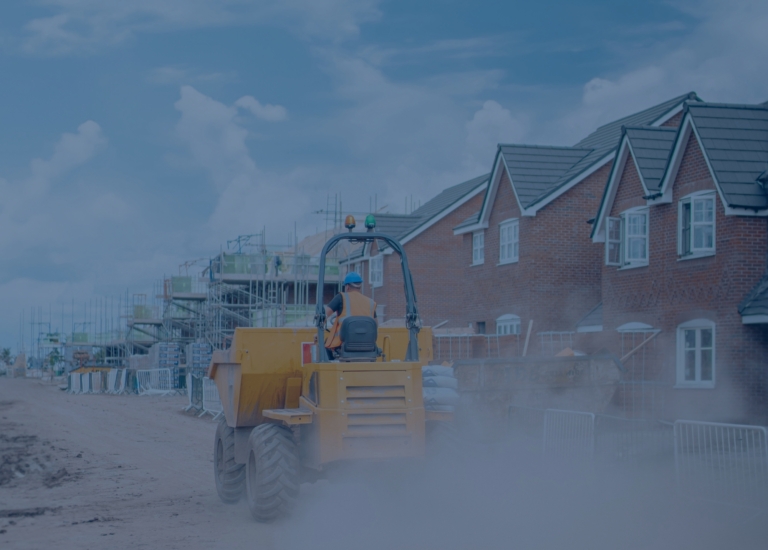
351	302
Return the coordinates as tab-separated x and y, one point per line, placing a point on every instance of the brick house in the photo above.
526	253
427	237
684	236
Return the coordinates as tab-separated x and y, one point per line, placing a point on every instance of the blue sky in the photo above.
135	135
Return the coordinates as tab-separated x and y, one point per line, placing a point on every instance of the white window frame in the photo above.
696	325
376	270
509	241
687	251
613	241
624	250
478	247
508	323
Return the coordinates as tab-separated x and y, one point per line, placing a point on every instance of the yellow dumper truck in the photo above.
288	406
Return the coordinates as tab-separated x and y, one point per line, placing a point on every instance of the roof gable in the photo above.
535	170
651	147
734	142
540	174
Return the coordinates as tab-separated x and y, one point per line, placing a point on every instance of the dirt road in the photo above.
104	471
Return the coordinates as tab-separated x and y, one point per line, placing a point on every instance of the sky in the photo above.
136	136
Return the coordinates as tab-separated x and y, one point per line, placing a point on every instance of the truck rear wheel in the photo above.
272	472
230	476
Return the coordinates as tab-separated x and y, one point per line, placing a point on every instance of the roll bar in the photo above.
412	321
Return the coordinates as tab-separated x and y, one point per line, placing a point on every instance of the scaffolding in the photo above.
251	284
274	287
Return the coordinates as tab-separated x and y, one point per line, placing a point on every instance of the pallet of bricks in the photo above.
167	355
198	358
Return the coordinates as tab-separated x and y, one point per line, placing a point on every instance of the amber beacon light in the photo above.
349	222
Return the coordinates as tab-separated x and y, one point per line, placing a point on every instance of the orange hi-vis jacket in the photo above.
355	304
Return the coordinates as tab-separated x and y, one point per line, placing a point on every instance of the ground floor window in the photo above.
696	354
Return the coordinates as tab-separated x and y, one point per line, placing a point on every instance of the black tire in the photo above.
230	476
272	472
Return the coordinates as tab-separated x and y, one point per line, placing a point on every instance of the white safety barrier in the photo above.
569	435
85	382
96	382
154	382
726	463
74	382
211	402
116	381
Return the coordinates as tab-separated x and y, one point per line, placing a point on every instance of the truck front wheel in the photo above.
272	472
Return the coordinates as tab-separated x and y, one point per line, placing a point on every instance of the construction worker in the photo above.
350	302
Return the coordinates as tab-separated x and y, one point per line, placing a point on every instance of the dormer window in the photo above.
626	244
696	236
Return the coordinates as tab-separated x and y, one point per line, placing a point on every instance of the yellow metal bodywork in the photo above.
354	410
363	410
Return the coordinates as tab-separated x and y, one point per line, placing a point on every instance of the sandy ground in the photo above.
103	471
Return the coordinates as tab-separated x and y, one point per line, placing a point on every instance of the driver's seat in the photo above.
358	339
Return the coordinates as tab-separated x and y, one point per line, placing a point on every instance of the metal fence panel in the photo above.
194	392
211	401
569	435
726	463
632	439
154	382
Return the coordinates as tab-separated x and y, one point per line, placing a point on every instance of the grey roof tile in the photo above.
593	318
535	170
395	225
400	225
539	171
449	197
756	302
735	140
607	136
651	147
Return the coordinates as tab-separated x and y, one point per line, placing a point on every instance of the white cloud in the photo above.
491	125
87	25
723	60
72	150
264	112
248	198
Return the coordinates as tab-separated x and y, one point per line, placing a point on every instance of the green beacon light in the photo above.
370	222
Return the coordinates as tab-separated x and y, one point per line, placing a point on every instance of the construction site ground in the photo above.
106	471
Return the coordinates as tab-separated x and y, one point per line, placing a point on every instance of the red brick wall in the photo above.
670	291
630	193
556	280
437	265
674	122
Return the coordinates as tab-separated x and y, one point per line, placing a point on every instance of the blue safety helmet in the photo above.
353	278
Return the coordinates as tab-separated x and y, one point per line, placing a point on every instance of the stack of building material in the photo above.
166	355
439	388
198	358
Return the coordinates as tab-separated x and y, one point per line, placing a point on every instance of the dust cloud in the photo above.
503	495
